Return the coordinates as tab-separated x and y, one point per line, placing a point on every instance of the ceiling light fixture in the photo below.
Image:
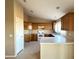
55	17
57	7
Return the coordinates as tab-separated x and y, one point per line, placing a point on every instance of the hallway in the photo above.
31	51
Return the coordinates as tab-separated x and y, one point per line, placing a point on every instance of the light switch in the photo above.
10	35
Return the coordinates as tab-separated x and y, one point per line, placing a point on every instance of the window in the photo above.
58	26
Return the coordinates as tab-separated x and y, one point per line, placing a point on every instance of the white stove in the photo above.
40	34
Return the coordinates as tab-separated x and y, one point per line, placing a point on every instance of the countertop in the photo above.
57	39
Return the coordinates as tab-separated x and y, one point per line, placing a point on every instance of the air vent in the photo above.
31	11
24	0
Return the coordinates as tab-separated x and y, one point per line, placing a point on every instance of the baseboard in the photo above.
10	56
13	55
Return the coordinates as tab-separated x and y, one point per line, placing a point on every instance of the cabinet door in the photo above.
26	37
67	22
70	51
26	25
63	23
49	51
33	37
66	51
48	26
71	22
34	26
57	51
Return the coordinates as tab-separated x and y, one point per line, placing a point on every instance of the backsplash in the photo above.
68	34
35	31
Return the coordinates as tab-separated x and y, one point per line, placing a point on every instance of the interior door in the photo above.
19	35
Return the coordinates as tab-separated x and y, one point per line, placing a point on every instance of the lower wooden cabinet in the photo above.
33	37
26	37
30	37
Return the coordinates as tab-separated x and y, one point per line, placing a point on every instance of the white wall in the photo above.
9	28
18	27
13	9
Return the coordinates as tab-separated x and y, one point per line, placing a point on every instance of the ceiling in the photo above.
47	9
37	20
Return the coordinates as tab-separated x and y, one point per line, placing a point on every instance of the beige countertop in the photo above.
57	39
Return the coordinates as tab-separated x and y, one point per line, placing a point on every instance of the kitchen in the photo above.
44	26
64	26
37	29
56	36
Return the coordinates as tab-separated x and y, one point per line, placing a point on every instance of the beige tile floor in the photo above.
31	51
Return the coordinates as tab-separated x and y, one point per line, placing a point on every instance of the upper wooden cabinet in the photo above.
34	26
26	25
67	22
47	26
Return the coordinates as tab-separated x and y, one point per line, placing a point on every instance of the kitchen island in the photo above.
57	47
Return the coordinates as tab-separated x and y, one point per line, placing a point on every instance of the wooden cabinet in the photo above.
30	37
67	22
27	37
47	26
33	37
34	26
26	25
71	17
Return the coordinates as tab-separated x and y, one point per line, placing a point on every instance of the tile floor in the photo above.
31	51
